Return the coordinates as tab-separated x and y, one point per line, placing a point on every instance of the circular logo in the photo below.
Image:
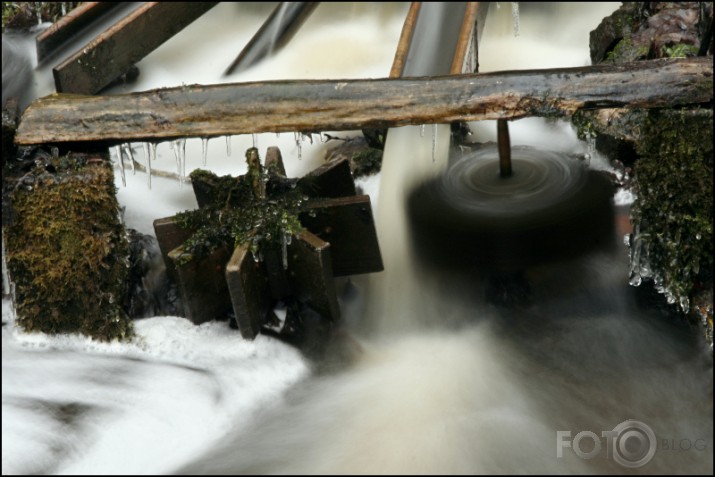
634	444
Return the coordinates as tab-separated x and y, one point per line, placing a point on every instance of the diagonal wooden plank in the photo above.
114	51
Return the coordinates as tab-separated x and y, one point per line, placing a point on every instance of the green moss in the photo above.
681	50
583	122
240	213
23	15
673	211
67	251
626	51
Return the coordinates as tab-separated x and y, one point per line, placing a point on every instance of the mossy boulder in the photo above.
673	210
670	152
67	249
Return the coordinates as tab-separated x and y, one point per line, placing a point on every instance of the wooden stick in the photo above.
313	106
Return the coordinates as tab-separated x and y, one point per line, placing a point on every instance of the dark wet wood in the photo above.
317	105
504	145
170	236
310	272
202	284
69	26
113	52
347	224
332	179
249	290
276	31
403	45
470	33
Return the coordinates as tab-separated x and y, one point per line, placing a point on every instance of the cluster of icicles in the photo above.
125	151
641	269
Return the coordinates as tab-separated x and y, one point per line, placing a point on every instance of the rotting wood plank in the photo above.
69	25
249	290
202	283
347	224
113	52
323	105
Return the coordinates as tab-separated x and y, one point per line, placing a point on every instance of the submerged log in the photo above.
318	105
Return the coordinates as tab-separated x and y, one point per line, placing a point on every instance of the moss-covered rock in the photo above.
67	249
671	247
673	210
23	15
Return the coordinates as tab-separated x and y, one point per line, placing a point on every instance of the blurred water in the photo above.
448	383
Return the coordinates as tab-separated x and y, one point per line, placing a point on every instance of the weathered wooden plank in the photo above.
276	31
114	51
170	236
347	224
311	276
403	45
317	105
332	179
203	287
70	25
249	289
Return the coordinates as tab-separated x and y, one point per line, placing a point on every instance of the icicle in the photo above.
298	142
278	135
684	304
434	142
5	273
38	12
498	6
284	249
118	151
181	147
148	149
323	139
130	155
422	130
255	139
515	17
172	146
204	147
590	147
64	8
228	146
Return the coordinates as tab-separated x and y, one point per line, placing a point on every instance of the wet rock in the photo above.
66	248
364	160
149	290
647	30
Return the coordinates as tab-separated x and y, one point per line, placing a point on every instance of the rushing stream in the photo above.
583	379
450	384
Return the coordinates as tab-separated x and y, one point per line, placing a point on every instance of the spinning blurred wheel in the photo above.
551	207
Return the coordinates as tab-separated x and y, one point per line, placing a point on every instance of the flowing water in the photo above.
449	383
583	380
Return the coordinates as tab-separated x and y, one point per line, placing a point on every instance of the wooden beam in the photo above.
276	31
321	105
403	45
113	52
69	26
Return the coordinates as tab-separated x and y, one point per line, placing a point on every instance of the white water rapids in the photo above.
445	383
